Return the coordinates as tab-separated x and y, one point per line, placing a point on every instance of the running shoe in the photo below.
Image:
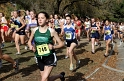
71	67
106	55
62	74
2	45
1	63
36	60
26	47
92	52
78	64
99	44
66	57
16	66
18	53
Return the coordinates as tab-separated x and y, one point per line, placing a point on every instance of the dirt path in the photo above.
89	63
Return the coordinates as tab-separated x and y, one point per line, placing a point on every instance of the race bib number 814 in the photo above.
43	49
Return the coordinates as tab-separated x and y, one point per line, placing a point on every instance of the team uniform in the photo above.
94	33
107	33
18	24
87	25
32	25
4	26
57	27
70	35
121	28
44	55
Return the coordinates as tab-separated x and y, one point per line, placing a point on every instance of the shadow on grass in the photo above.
83	62
8	67
80	51
24	72
82	45
13	45
77	77
100	49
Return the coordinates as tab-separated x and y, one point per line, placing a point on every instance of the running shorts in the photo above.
95	35
5	27
49	60
71	41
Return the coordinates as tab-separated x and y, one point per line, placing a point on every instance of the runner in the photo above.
120	31
3	28
78	28
8	58
12	28
32	24
51	20
57	27
107	36
94	34
44	49
87	28
20	30
70	36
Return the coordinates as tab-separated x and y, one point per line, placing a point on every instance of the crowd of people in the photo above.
43	34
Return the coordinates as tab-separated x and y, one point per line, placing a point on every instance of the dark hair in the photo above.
46	14
68	16
2	14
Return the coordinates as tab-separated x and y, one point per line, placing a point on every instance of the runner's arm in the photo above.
23	23
55	35
30	41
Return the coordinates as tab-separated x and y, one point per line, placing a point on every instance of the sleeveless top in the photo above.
69	32
108	30
94	27
56	23
41	41
2	20
87	24
17	23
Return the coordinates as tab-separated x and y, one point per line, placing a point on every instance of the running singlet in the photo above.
32	25
87	24
56	23
93	26
69	32
108	33
17	23
121	28
41	41
108	30
3	25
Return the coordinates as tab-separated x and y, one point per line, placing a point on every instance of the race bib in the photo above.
43	49
68	36
108	32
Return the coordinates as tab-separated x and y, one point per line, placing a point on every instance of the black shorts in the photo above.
21	32
58	30
50	60
72	41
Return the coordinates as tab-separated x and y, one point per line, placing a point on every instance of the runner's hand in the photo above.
50	46
17	29
32	48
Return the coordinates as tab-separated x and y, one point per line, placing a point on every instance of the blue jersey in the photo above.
69	32
108	30
108	33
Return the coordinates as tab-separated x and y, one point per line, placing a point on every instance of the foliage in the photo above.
103	9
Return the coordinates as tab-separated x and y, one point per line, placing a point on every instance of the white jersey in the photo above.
87	24
121	28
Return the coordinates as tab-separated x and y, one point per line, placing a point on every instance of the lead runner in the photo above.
44	49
